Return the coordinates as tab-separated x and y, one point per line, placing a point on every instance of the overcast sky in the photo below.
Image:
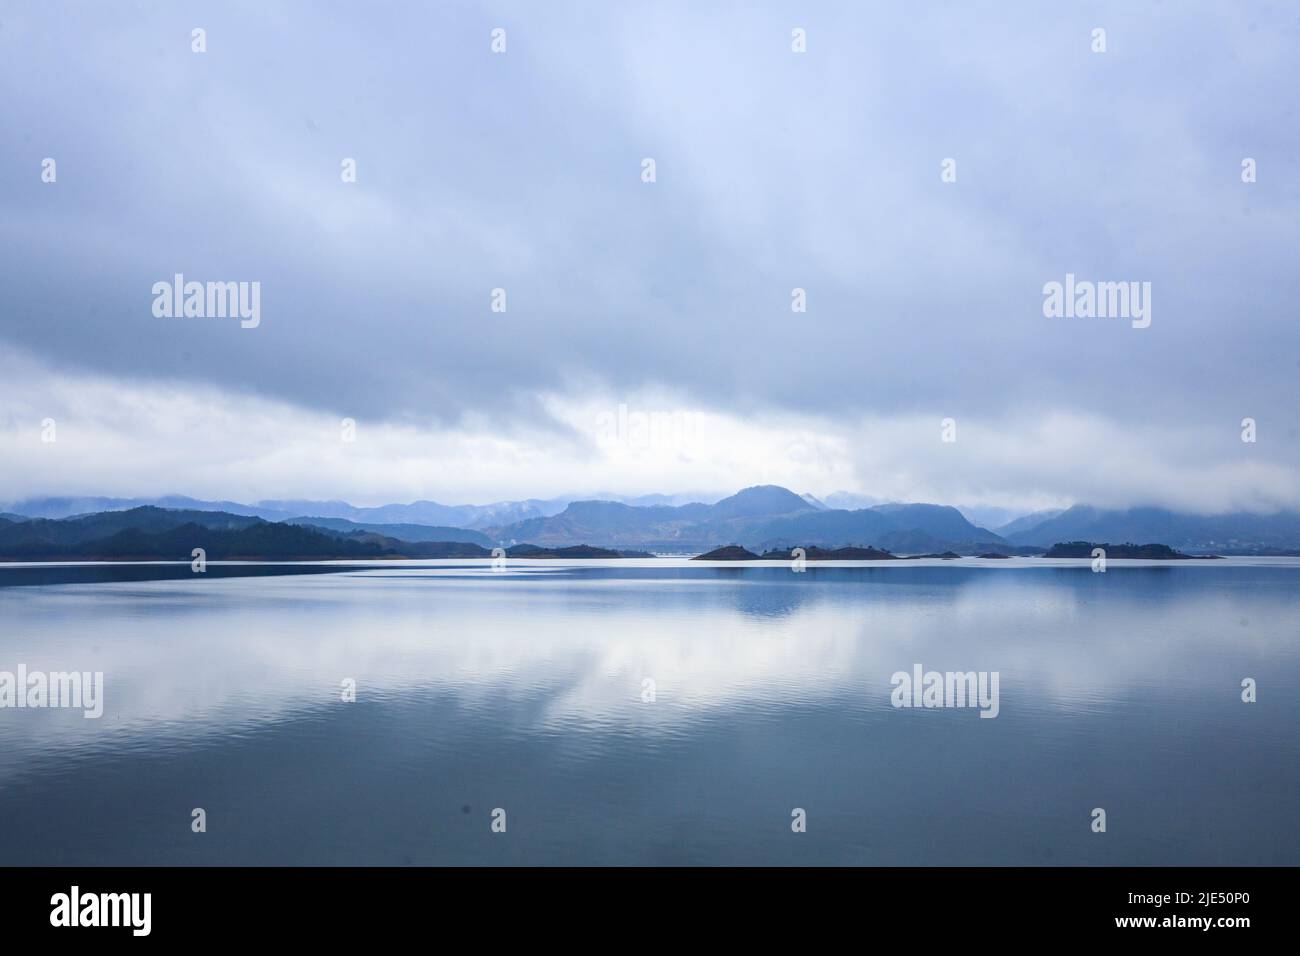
522	170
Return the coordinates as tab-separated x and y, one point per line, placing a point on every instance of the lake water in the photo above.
528	691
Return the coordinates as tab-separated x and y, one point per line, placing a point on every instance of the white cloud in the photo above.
119	437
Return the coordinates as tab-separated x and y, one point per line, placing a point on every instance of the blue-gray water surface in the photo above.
655	713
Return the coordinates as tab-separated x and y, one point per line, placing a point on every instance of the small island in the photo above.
576	551
732	552
815	553
1144	552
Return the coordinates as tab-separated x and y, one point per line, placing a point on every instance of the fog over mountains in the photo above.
1227	532
761	517
417	512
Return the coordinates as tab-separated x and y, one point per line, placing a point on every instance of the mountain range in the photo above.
762	518
1237	531
416	512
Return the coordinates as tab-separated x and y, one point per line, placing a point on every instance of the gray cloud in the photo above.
775	170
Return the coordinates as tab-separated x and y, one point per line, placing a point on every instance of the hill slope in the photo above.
403	532
1183	532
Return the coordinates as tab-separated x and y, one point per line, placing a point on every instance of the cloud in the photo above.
775	170
117	437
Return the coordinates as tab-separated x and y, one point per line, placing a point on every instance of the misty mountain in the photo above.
850	501
416	512
421	512
147	520
900	528
759	501
824	528
765	516
990	516
662	527
611	523
1026	522
1226	532
66	507
402	532
939	521
641	501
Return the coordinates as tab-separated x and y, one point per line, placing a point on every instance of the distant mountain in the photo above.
416	512
990	516
67	507
280	509
761	518
643	501
939	521
899	528
1026	522
403	532
149	533
824	528
94	527
157	534
421	512
658	527
759	501
1184	532
764	517
850	501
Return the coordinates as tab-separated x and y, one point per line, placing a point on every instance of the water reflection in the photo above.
524	690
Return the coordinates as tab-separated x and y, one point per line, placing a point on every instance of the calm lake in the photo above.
655	712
